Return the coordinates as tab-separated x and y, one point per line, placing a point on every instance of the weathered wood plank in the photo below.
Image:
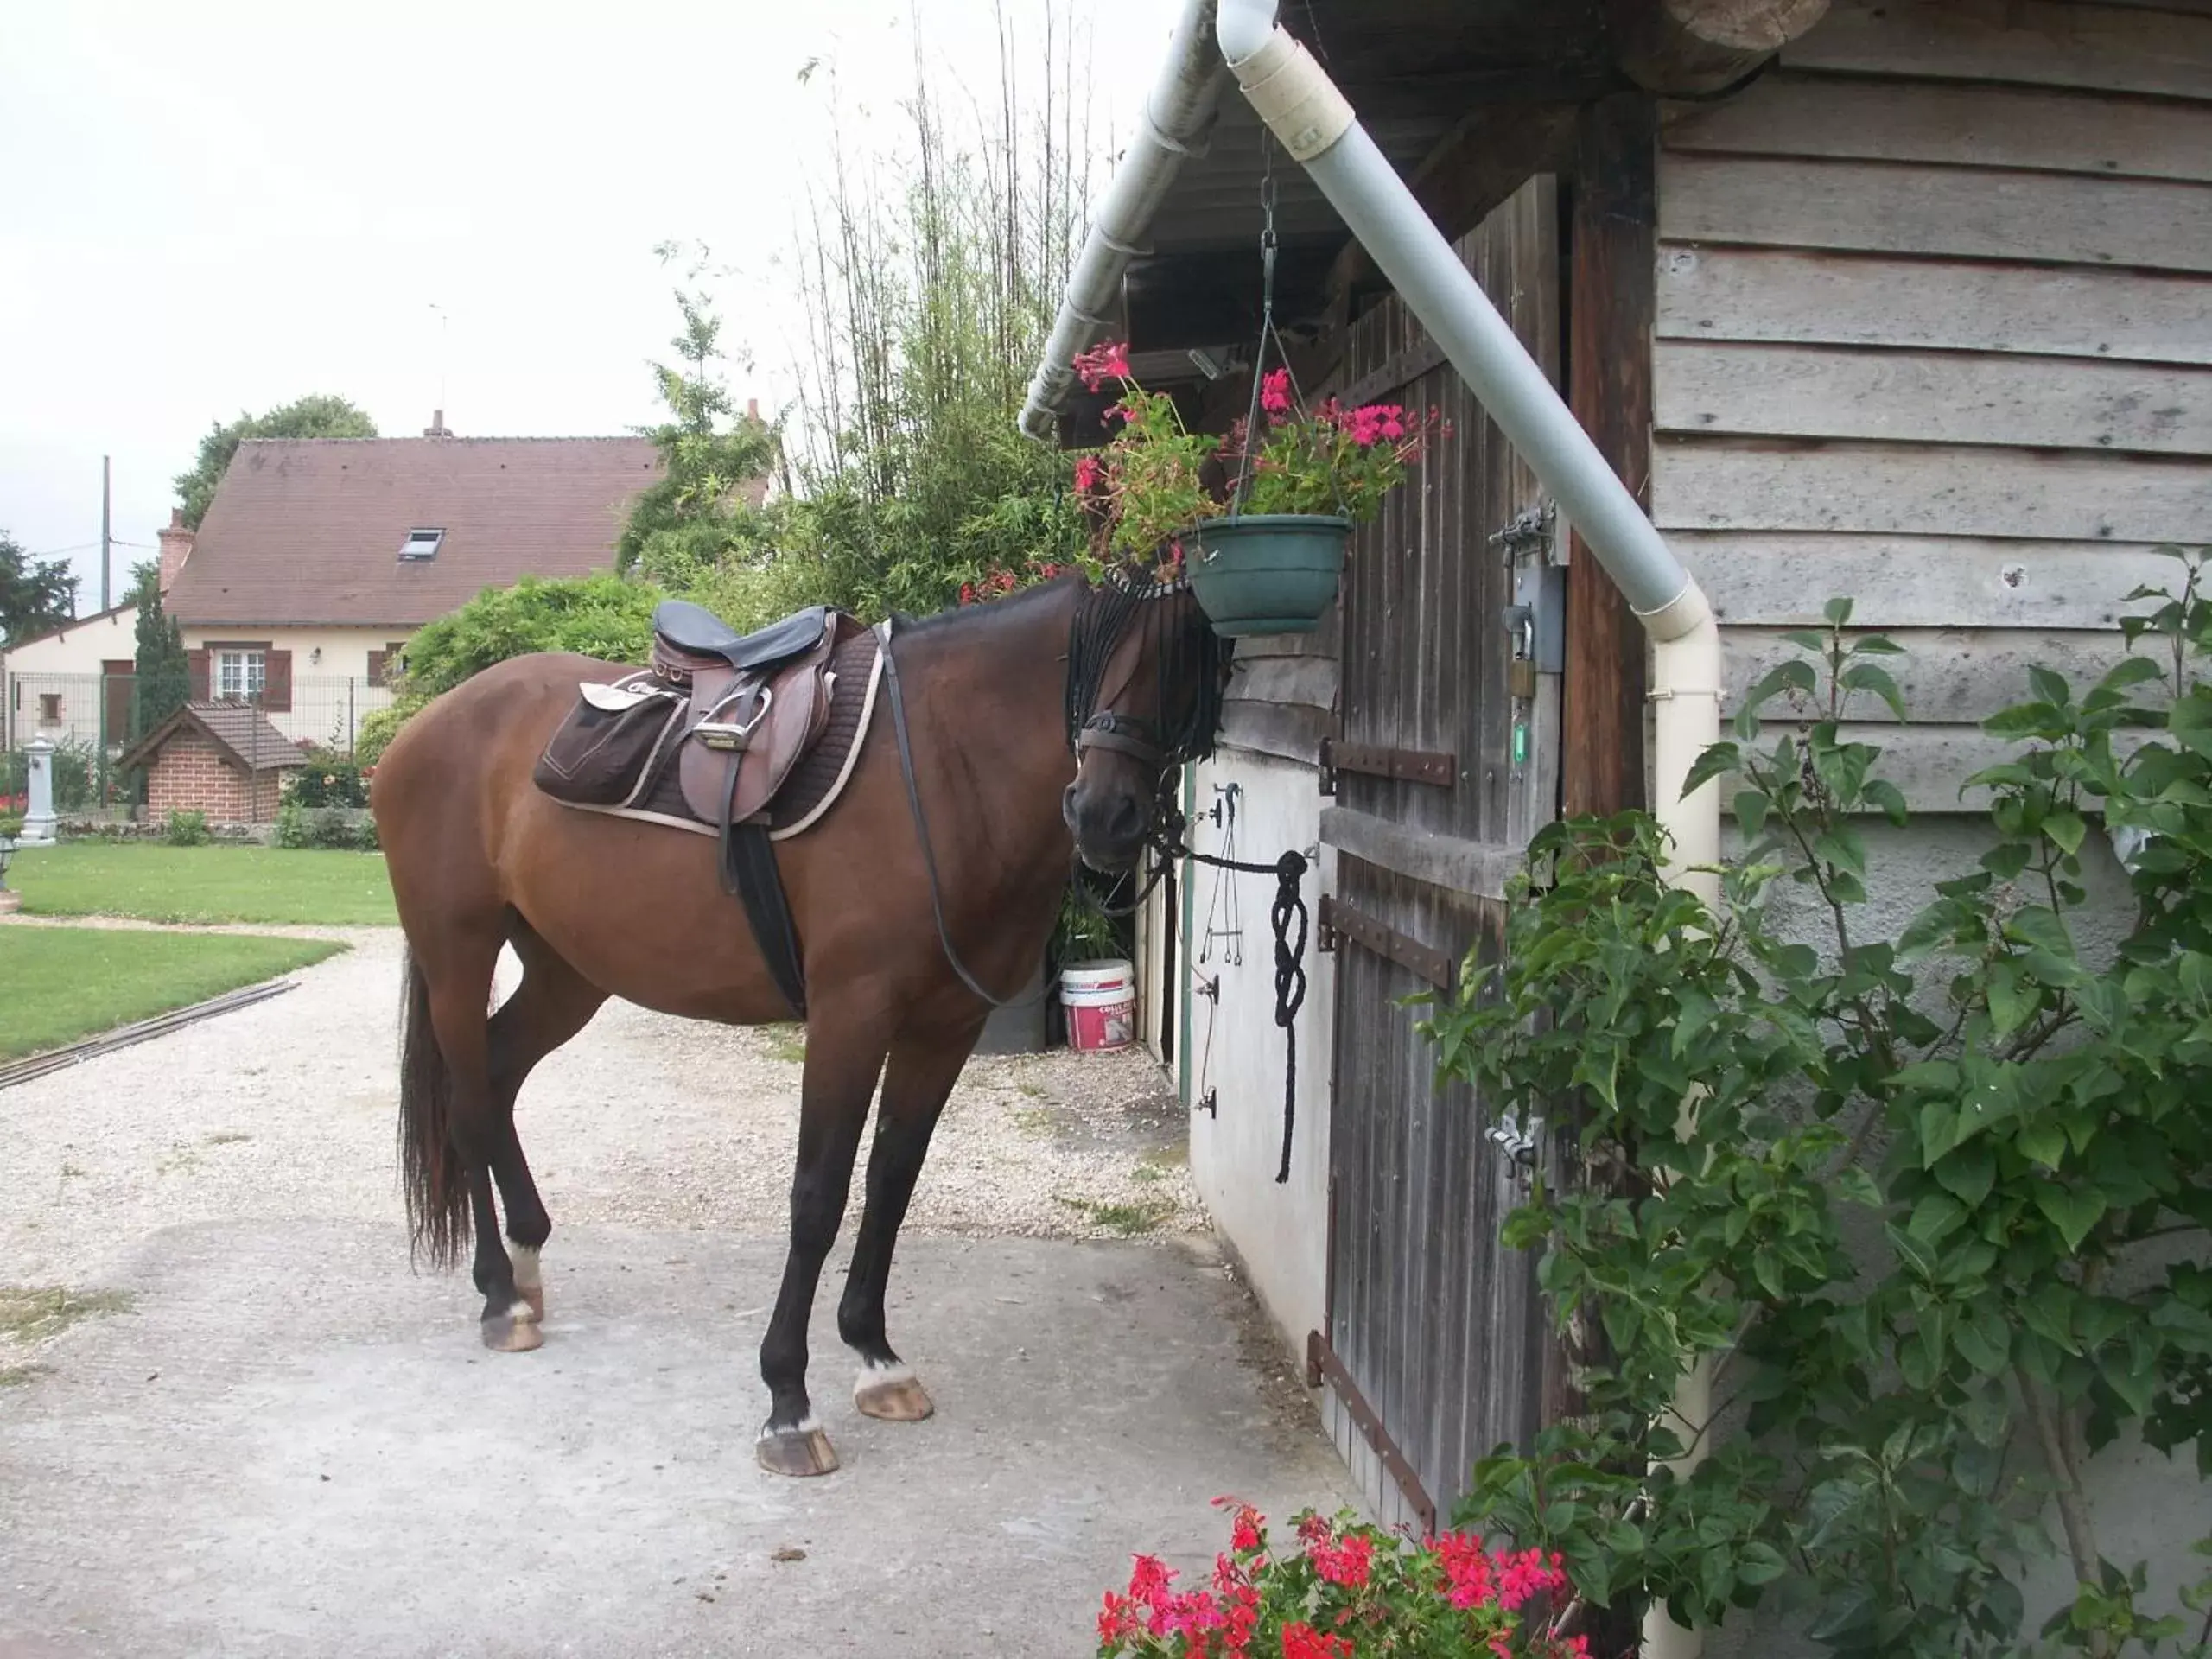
1949	675
1928	489
1900	207
1844	300
1931	763
1963	126
1610	392
1305	681
1481	867
2040	43
1932	397
1920	581
1287	732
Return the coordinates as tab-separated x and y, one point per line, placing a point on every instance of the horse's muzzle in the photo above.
1109	832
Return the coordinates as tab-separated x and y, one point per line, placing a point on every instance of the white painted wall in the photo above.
67	665
330	691
1280	1232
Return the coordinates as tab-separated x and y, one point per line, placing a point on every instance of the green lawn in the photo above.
154	883
57	984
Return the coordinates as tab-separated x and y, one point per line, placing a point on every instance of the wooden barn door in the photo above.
1445	763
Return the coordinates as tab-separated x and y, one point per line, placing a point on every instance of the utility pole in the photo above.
106	558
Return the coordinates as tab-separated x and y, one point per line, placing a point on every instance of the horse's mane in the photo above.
1194	657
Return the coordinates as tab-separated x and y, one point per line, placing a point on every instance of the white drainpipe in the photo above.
1303	107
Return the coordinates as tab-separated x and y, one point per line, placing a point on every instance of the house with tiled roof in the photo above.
318	557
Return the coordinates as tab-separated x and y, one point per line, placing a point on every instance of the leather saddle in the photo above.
758	701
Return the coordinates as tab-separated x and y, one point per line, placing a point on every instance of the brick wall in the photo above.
192	775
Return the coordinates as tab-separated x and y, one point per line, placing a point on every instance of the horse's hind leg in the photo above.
552	1004
915	1086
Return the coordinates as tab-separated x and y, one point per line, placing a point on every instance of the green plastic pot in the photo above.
1267	573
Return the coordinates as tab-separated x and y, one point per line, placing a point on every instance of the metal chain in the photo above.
1268	244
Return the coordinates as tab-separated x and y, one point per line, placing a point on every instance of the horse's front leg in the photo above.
842	1064
922	1072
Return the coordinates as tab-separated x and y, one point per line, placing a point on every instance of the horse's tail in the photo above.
429	1166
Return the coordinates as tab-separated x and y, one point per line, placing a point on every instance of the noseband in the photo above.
1124	735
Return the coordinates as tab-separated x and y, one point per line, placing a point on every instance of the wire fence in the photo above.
91	718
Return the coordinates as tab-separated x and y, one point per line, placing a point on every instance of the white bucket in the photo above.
1100	1000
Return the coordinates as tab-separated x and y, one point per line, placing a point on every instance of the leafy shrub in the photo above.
600	616
1347	1590
380	726
1723	1091
187	829
11	825
299	826
331	777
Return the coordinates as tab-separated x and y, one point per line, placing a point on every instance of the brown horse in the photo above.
1037	726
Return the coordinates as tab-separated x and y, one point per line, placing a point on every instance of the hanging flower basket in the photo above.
1268	572
1268	559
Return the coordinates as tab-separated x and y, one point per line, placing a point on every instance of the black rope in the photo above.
1289	907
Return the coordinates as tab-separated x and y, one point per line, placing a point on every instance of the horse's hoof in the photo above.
515	1331
893	1396
795	1451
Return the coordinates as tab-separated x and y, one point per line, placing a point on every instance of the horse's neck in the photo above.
996	687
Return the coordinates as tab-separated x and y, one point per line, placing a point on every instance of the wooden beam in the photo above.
1611	303
1493	150
1683	48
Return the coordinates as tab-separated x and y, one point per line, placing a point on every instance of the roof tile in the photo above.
308	531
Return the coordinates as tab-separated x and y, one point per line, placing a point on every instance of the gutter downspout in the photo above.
1174	124
1315	122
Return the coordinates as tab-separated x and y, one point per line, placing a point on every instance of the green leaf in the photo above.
1751	808
2050	687
1718	759
1758	1563
1969	1174
2066	830
1866	676
1855	1186
2072	1211
1806	640
1795	674
1838	611
2042	1143
2190	720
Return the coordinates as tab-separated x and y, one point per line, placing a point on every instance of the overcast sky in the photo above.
217	207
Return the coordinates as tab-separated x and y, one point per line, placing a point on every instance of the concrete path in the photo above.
289	1445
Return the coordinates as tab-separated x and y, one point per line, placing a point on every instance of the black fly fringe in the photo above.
1191	662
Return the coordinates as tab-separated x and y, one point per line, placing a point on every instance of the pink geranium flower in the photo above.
1101	363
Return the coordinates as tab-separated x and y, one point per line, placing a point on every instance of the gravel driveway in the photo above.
286	1109
248	1429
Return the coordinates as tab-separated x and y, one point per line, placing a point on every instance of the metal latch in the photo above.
1528	531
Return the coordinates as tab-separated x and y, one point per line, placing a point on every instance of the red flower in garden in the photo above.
1348	1563
1087	473
1107	361
1117	1619
1274	391
1303	1642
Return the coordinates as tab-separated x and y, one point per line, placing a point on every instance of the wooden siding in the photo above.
1934	331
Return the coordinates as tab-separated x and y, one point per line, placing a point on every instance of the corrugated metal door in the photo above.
1446	763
